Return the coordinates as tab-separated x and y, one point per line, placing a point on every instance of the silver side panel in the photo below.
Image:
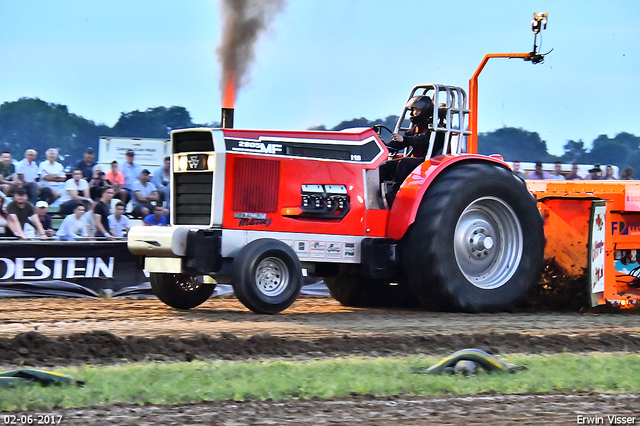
308	247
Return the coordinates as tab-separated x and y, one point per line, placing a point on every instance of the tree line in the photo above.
34	123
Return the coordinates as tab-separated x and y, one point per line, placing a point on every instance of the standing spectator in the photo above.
158	218
538	173
118	222
609	173
595	173
627	174
101	212
76	191
87	163
20	211
145	195
7	174
131	171
51	173
574	173
162	180
516	169
26	174
117	181
72	225
42	209
557	171
98	183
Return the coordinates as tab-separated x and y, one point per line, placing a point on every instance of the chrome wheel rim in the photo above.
272	276
488	242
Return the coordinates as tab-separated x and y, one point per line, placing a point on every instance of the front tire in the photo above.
180	291
266	276
477	243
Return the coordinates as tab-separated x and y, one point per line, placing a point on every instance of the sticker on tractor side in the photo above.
334	250
301	248
317	249
349	250
632	199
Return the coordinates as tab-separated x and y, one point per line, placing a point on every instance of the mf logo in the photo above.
194	160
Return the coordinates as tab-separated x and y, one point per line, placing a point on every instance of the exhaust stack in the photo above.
227	118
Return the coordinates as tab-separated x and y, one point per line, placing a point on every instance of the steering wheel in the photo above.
378	128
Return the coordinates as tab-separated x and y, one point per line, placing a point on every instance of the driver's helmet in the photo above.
421	108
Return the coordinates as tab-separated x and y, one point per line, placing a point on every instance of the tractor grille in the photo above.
192	192
256	185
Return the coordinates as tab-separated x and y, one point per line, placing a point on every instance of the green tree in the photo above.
574	152
514	144
33	123
155	122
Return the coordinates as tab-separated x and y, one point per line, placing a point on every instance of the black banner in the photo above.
98	266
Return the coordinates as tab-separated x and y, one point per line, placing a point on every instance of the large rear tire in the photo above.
351	289
477	243
180	291
266	276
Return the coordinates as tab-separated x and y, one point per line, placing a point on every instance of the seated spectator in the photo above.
87	163
145	195
42	209
609	173
516	169
557	171
51	174
72	226
101	212
4	224
595	173
158	218
117	181
26	174
162	180
538	173
574	173
98	183
89	229
118	222
20	211
627	174
76	192
7	174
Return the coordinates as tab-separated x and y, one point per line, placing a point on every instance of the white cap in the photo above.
42	203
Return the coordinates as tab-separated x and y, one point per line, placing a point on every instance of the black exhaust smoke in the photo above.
227	118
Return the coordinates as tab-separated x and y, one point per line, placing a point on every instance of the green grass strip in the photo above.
169	383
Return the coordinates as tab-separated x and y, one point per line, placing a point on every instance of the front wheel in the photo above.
477	243
266	276
181	291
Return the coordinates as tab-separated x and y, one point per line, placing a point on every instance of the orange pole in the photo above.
472	143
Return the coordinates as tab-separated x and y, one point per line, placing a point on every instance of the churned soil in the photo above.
50	332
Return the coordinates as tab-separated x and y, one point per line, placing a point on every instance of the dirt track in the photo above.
47	332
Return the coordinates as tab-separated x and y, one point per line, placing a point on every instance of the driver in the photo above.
418	136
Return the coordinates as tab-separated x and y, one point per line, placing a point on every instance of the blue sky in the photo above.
324	61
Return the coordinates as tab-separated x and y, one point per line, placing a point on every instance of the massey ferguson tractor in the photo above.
255	208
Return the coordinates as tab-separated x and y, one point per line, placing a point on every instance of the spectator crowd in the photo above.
92	203
595	173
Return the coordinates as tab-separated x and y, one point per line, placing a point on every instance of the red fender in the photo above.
405	206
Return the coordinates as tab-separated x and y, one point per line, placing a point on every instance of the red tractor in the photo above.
255	208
